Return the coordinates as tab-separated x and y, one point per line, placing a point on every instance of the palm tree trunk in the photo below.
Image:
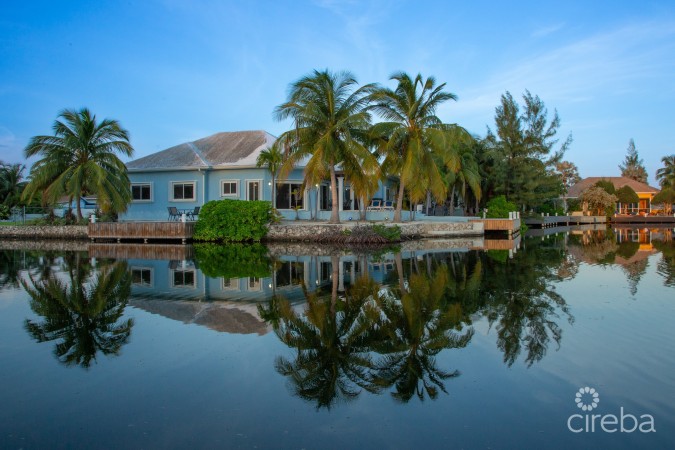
399	269
274	198
79	209
334	214
399	202
464	198
452	201
335	260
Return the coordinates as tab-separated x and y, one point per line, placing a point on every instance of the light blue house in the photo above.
223	166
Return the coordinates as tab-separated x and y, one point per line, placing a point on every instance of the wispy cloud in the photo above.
607	64
545	31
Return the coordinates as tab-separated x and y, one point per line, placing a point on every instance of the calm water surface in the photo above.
291	347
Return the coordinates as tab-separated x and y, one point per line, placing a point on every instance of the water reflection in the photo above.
520	300
81	308
384	334
332	339
628	247
372	322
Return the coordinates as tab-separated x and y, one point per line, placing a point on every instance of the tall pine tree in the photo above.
526	150
633	167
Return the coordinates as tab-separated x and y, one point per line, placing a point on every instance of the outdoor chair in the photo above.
375	205
173	213
194	213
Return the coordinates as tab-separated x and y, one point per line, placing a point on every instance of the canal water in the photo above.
435	346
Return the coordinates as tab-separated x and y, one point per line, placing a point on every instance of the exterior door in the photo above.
253	190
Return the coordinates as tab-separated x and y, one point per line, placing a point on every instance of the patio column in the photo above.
341	192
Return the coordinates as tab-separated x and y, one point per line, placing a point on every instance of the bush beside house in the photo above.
233	221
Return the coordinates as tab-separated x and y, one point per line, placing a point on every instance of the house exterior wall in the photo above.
161	186
208	185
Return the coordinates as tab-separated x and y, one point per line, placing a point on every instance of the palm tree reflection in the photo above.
419	323
373	339
81	313
332	339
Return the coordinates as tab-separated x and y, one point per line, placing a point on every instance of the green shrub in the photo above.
607	185
573	204
4	212
233	260
392	233
627	195
498	255
233	221
550	209
499	208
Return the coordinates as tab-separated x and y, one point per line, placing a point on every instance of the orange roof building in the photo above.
644	191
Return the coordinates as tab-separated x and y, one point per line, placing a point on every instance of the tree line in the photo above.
368	132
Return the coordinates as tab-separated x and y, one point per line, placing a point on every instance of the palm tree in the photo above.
331	121
272	158
413	134
81	159
11	183
666	174
466	175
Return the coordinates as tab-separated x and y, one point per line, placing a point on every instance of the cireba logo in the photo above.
587	399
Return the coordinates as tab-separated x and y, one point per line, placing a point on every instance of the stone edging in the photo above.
306	231
44	232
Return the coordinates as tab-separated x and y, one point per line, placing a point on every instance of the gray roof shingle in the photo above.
238	148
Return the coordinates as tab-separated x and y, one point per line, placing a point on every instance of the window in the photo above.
325	198
229	188
141	192
230	284
141	276
290	273
183	278
253	190
183	191
289	195
254	284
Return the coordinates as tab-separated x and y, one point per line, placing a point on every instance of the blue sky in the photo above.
173	71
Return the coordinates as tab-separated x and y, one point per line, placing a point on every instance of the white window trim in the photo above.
305	195
260	190
182	200
143	183
234	284
182	286
152	276
236	183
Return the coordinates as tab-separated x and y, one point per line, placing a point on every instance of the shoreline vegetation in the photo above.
366	133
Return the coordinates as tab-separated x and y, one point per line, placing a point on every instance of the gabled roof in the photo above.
228	149
618	182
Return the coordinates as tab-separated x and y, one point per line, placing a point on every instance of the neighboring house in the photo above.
223	166
87	206
644	191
